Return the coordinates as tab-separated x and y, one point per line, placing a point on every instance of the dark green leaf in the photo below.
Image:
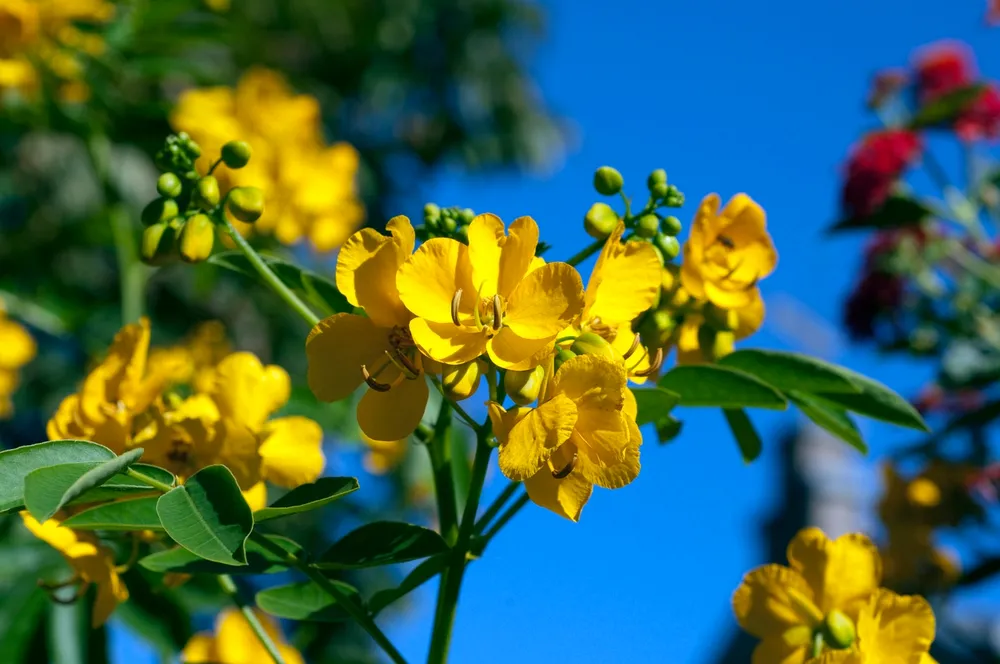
15	464
653	404
668	429
21	611
878	402
307	497
830	417
421	574
305	601
320	291
720	387
208	516
897	212
48	490
259	560
129	514
790	371
382	543
945	109
744	432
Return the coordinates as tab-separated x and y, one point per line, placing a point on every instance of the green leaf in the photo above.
790	371
420	575
305	601
831	417
20	614
123	486
877	401
259	560
653	404
48	490
668	428
129	514
208	516
945	109
308	497
15	464
382	543
897	212
744	432
721	387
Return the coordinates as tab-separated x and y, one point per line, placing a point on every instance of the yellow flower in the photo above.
937	496
689	344
727	252
491	296
783	606
194	359
234	642
383	456
17	348
582	433
92	563
914	563
892	629
346	350
310	186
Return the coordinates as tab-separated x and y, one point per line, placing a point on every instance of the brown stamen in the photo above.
372	383
654	365
631	349
403	363
566	470
726	241
454	306
497	313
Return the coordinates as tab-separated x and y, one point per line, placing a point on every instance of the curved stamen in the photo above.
372	383
654	366
454	307
566	470
497	313
403	364
631	349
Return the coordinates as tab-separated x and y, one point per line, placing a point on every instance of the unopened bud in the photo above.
671	226
157	247
187	144
197	238
562	354
169	185
460	381
158	211
659	176
236	154
668	246
523	387
600	221
722	320
462	233
838	630
246	203
466	215
431	214
590	343
608	181
206	192
448	225
647	226
658	190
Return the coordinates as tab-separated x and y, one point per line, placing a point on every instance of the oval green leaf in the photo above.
745	433
130	514
790	371
48	490
15	464
653	404
260	560
720	387
305	601
877	401
208	516
830	417
382	543
308	497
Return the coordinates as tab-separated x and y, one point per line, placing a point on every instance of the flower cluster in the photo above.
311	186
826	606
235	643
17	348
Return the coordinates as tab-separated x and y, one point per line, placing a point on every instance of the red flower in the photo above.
874	165
942	68
982	118
993	12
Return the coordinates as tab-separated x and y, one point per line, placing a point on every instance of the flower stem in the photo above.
439	448
508	514
496	506
272	280
585	253
229	587
458	408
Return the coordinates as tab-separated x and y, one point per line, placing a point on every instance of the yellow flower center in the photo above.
723	256
402	354
488	313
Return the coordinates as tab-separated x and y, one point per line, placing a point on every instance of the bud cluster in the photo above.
451	222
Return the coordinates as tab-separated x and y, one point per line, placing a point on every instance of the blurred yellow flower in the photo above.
310	187
17	348
491	296
197	354
346	350
383	456
234	642
698	341
582	433
92	563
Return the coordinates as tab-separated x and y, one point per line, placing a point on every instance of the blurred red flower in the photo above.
943	67
874	165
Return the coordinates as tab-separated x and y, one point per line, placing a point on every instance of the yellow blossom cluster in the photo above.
827	607
310	186
17	348
234	642
54	34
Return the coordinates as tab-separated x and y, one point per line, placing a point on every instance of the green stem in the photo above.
229	587
272	280
439	448
457	406
508	514
817	644
585	253
497	505
148	481
33	314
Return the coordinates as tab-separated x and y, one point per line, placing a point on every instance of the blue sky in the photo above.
763	98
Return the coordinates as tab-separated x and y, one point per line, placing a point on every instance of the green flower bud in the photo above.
431	214
206	192
668	246
722	320
197	238
608	181
659	176
187	144
562	354
236	154
462	233
671	226
659	190
590	343
159	210
647	226
523	387
448	225
601	221
466	216
246	203
169	185
838	630
460	381
158	243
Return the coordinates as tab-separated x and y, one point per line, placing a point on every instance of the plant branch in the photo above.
508	514
496	506
229	587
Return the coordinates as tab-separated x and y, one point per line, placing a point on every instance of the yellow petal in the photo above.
366	270
565	497
238	447
608	451
531	440
336	348
728	298
790	647
545	301
510	351
236	643
517	255
394	414
117	377
486	237
447	343
429	279
839	657
64	423
200	649
247	391
17	347
256	496
762	603
625	282
896	628
592	381
840	571
292	451
750	317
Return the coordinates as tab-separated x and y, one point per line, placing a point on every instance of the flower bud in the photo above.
659	176
460	381
169	185
448	225
722	320
246	203
523	387
647	226
668	246
590	343
157	247
158	211
431	214
659	190
197	238
562	354
206	192
838	630
236	154
600	221
607	181
466	215
671	226
187	144
462	233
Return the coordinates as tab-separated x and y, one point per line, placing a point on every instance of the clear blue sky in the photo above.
728	96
